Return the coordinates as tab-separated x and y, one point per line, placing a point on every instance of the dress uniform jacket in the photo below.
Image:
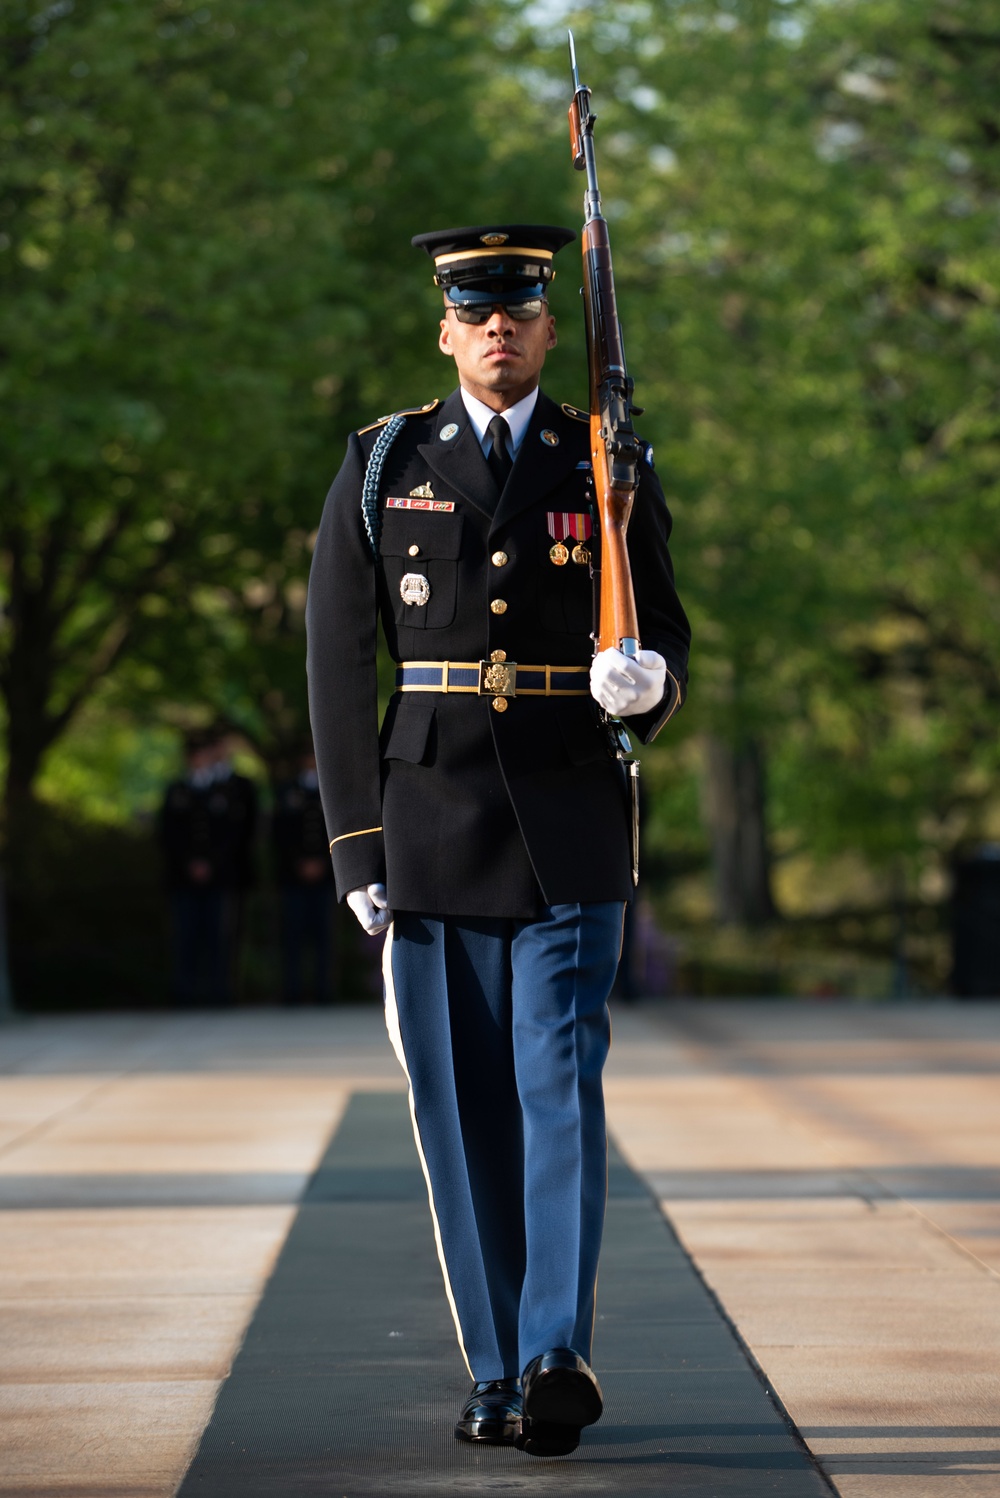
213	824
298	832
461	809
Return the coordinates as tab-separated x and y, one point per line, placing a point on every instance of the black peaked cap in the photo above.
511	255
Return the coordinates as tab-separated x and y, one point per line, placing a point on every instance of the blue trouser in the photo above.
205	944
502	1029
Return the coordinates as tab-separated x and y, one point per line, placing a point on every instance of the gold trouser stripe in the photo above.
396	1038
363	833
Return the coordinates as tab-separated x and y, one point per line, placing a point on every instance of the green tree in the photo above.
804	203
204	244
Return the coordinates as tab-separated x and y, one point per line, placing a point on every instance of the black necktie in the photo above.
499	458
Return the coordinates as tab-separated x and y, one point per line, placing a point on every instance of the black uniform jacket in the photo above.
212	824
462	809
298	832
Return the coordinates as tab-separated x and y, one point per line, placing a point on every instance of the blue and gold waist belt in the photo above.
493	678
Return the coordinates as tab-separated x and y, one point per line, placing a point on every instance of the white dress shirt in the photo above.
517	419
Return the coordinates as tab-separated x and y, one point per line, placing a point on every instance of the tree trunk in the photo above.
735	810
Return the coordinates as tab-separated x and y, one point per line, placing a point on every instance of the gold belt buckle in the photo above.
497	678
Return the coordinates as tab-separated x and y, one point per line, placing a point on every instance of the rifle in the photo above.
614	449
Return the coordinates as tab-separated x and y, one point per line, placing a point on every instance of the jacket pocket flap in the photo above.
410	731
433	534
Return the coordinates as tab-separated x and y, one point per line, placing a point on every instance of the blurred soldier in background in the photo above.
305	880
206	832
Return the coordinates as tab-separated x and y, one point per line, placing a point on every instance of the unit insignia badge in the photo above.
415	589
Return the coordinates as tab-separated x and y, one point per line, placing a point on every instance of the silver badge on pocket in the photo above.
415	589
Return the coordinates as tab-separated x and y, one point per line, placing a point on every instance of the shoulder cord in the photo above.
373	477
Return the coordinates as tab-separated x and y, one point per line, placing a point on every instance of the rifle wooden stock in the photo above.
615	474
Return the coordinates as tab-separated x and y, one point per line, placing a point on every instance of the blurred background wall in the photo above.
206	281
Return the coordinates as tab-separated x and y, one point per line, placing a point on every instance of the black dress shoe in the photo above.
492	1413
561	1395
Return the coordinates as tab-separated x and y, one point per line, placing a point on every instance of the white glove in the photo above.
628	685
371	908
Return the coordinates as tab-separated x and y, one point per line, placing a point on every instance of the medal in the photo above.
569	525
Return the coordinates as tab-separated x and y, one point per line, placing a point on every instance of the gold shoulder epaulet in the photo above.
407	411
575	412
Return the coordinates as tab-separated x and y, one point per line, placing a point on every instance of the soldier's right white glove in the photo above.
371	907
628	685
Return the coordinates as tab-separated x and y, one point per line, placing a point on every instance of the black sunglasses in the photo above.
479	313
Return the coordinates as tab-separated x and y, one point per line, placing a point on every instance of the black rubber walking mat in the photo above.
349	1379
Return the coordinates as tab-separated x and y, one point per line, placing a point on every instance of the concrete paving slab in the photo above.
818	1160
126	1440
58	1192
796	1235
113	1337
135	1251
140	1215
850	1267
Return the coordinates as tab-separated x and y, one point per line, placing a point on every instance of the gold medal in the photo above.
558	554
581	555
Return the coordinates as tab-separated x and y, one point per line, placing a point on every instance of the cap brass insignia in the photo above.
422	491
492	239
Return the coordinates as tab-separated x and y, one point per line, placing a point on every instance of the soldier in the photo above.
206	830
305	881
486	827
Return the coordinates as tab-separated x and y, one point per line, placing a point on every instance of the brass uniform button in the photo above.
499	606
499	559
498	655
414	551
499	704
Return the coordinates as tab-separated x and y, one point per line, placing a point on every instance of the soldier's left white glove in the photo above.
626	685
371	907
